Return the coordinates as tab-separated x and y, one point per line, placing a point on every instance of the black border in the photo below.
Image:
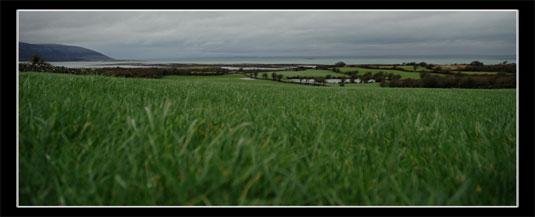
526	106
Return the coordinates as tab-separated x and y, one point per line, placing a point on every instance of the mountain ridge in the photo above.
59	52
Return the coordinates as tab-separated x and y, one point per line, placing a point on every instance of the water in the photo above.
255	68
332	81
98	64
288	60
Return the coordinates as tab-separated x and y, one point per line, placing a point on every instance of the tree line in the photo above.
500	80
39	65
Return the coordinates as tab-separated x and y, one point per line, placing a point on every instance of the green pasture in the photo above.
221	140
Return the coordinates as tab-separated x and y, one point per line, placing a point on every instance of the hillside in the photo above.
58	52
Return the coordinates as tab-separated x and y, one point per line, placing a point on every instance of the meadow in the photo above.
403	74
221	140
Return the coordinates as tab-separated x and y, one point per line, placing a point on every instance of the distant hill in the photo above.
59	52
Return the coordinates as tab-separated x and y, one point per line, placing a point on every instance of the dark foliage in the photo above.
121	72
509	68
340	64
36	59
457	81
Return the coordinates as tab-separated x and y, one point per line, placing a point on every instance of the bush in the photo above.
36	59
466	82
340	64
429	81
458	81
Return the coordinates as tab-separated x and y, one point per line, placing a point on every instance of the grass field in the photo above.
219	140
403	74
308	72
411	68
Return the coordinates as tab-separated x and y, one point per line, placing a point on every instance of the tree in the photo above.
340	64
279	77
390	76
274	75
379	76
342	82
383	83
476	63
352	78
36	59
255	74
414	67
265	75
429	81
328	77
466	82
367	76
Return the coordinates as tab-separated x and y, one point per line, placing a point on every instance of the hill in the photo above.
59	52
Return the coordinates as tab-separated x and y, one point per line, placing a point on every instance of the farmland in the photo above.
221	140
310	72
373	71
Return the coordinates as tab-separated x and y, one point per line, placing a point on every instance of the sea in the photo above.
288	60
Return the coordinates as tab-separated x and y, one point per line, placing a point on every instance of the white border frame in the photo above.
272	10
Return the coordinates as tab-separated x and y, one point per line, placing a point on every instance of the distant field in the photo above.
308	72
411	68
453	67
221	140
373	71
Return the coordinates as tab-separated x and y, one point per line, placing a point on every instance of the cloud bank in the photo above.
184	34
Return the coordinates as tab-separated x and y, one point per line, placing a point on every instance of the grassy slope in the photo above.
93	140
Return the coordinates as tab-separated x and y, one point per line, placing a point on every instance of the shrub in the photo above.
379	76
36	59
429	81
340	64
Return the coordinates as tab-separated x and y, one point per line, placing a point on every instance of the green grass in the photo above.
403	74
95	140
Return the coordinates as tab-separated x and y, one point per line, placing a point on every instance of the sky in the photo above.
192	34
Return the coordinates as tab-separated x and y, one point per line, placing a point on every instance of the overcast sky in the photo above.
183	34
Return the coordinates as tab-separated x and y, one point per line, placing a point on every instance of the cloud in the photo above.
179	34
